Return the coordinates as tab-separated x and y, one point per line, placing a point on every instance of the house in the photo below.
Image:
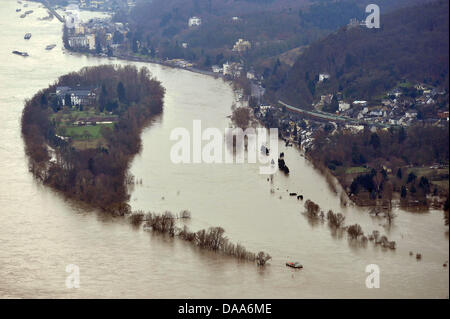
396	92
263	109
360	103
355	23
216	69
354	128
376	113
194	21
82	42
233	69
393	122
326	99
323	77
343	106
420	87
443	115
250	75
242	45
226	69
411	114
97	3
78	96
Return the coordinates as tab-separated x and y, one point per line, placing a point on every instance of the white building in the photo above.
411	114
85	41
250	75
91	41
216	69
323	77
194	21
242	45
226	69
362	103
343	106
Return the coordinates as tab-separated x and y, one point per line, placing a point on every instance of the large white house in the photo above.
242	45
82	41
194	21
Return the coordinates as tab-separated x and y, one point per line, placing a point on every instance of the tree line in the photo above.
384	156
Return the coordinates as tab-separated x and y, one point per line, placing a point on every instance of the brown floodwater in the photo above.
41	233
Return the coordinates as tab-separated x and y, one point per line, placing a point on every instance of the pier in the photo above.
53	11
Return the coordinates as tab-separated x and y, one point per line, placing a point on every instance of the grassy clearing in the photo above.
86	132
88	144
405	84
82	136
356	170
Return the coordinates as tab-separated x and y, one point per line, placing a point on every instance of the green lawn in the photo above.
66	118
87	132
405	84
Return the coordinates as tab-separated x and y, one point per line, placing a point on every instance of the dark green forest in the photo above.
272	26
411	45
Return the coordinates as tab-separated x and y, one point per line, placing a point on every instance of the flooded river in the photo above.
41	233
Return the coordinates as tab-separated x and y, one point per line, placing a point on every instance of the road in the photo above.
331	117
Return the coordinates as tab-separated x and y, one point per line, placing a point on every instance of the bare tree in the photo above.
335	220
241	117
354	231
262	258
312	209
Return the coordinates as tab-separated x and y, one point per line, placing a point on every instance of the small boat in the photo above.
50	46
18	10
20	53
296	265
27	36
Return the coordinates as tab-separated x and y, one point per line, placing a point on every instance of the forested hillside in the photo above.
412	44
272	26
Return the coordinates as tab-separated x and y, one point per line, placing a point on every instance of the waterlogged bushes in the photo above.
355	231
213	238
336	222
312	209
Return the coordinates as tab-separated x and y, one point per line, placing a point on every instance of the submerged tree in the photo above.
354	231
262	258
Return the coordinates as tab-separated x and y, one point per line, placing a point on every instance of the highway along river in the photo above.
41	233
